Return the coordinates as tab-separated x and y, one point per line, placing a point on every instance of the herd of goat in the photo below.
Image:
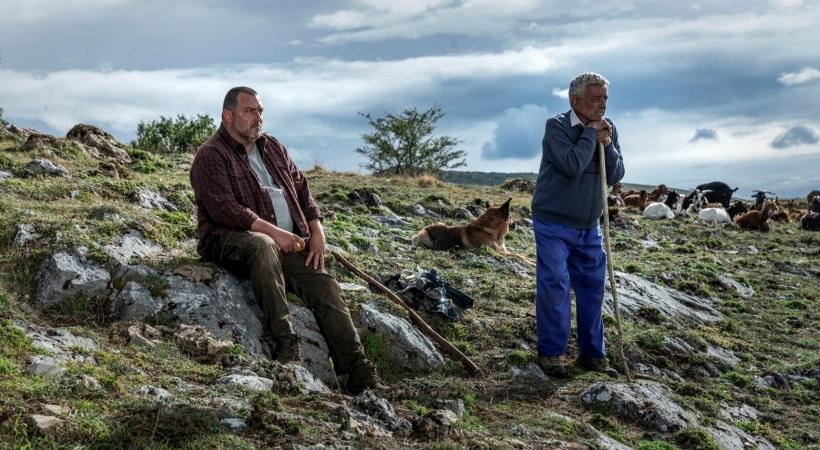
712	203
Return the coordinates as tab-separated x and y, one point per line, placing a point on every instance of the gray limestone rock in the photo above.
46	425
224	309
5	174
234	423
743	412
635	292
729	437
44	167
742	290
63	275
97	143
134	302
726	357
531	371
249	382
62	346
408	348
25	234
152	200
314	347
295	378
645	401
381	410
154	393
419	210
130	245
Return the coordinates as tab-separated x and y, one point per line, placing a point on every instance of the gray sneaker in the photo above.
553	366
288	349
596	365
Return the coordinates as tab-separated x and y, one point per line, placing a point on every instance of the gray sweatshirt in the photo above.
568	188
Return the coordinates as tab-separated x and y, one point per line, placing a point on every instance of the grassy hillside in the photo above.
775	331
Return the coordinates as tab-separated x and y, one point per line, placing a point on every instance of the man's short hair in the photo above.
230	97
579	85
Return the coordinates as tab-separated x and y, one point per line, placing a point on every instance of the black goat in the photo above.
672	198
814	206
760	198
811	221
737	208
714	192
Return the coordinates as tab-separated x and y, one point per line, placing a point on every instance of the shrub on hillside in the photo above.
174	136
3	122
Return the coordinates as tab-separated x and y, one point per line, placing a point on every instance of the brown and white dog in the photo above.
487	229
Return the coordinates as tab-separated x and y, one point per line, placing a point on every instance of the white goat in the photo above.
658	210
714	215
698	201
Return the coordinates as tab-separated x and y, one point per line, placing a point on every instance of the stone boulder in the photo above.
152	200
407	347
97	143
314	346
61	347
65	275
294	378
729	437
5	174
132	244
647	402
25	234
635	293
38	141
45	168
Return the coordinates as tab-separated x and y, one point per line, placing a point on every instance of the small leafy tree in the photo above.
174	136
403	144
3	122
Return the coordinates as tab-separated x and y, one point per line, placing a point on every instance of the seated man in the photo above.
257	218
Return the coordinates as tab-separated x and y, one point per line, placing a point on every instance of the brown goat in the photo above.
756	220
636	200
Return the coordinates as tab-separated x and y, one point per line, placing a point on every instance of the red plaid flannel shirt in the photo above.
229	196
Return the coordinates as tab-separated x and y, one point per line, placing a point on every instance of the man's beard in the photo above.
252	133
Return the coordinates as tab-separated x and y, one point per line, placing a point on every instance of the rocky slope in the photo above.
114	334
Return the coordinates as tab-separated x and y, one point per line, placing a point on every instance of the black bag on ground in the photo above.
425	290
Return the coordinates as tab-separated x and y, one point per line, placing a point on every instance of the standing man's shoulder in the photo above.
560	120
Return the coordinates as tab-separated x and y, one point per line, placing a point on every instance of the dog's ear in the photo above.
505	208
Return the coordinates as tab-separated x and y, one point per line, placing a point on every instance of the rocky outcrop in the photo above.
635	293
60	347
97	143
64	275
408	348
45	168
647	402
130	245
152	200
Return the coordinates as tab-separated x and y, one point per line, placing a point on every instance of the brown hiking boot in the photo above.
288	349
552	366
362	377
596	365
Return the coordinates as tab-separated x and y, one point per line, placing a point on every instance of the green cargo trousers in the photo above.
256	255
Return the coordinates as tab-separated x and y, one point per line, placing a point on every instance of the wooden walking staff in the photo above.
608	248
426	329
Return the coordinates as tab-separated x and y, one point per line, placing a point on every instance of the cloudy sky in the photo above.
714	90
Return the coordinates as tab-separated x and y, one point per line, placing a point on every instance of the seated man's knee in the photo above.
260	244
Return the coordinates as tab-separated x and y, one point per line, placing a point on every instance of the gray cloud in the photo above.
518	134
704	134
795	136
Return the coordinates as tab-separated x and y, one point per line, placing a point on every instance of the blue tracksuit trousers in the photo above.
569	256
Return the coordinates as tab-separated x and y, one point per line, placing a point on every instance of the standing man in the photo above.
566	208
258	219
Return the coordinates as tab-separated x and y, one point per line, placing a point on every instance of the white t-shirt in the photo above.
277	197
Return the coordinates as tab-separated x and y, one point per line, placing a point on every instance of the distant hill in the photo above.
467	177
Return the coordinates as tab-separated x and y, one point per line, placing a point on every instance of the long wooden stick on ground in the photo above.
612	285
426	329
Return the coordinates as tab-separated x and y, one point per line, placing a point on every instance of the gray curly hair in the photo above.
578	86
